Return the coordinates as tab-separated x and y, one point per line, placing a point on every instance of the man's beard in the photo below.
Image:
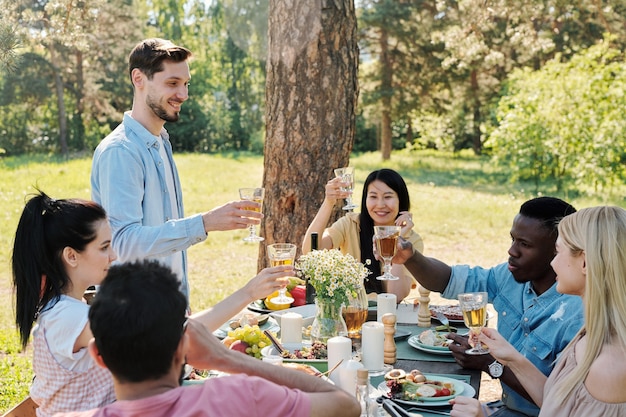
158	110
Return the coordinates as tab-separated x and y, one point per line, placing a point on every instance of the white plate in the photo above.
270	325
307	312
414	341
460	387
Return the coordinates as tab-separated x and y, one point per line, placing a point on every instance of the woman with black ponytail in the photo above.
61	248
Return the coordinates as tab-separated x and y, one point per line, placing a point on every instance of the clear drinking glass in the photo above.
256	195
386	244
474	308
347	175
281	254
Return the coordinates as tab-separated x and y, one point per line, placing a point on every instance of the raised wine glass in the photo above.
386	243
256	195
474	308
281	254
347	175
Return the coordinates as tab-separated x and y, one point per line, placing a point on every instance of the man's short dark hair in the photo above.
137	320
149	54
549	210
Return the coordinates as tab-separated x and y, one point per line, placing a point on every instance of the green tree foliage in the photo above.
226	104
451	58
565	122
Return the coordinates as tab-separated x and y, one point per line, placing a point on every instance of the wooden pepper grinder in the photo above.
389	320
423	314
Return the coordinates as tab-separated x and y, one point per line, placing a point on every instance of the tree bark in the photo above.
311	98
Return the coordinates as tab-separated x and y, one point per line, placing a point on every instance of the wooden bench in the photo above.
24	409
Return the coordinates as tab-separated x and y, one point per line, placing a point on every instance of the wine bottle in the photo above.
310	291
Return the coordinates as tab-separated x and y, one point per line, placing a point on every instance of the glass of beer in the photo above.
386	244
256	195
474	308
281	254
347	175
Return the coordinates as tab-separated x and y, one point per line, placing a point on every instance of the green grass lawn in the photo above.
462	208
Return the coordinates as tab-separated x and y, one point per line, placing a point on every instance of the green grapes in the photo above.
253	336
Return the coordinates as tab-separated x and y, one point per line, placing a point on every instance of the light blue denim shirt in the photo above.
128	180
538	326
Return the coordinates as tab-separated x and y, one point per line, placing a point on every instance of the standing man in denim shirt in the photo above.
134	176
532	315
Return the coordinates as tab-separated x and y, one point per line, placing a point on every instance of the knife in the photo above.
444	320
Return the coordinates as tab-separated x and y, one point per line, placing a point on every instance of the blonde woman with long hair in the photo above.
590	377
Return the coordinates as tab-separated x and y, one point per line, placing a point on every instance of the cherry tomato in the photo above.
443	392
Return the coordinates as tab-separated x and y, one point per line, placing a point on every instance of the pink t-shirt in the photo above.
236	395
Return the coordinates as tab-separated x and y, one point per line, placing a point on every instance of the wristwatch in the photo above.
496	369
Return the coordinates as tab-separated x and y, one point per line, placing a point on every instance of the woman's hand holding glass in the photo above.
498	346
269	280
282	254
347	177
474	308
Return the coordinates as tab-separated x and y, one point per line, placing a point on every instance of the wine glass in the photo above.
386	244
474	308
256	195
281	254
347	175
355	311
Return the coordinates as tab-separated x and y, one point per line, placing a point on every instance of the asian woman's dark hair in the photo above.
45	228
394	181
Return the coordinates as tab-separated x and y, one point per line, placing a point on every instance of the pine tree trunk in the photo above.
311	98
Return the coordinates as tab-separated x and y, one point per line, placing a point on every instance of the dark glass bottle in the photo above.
310	291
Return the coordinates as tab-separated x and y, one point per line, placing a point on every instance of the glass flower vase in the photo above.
328	321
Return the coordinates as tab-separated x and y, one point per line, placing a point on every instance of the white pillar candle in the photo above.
385	303
339	350
291	328
347	375
372	345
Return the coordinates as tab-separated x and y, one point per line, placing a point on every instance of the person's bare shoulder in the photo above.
607	376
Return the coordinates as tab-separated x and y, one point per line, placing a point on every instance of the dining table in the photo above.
436	363
409	357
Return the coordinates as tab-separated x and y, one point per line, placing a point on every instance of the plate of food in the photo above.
314	354
452	312
415	388
258	306
431	341
264	322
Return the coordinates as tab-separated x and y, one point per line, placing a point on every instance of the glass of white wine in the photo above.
256	195
281	254
347	175
474	308
386	244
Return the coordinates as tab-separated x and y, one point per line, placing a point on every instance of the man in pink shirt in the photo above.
142	336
